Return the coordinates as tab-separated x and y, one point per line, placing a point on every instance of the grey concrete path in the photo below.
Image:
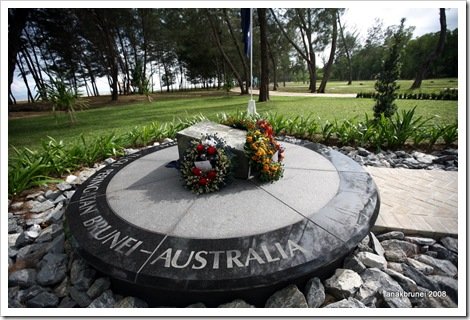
302	94
417	201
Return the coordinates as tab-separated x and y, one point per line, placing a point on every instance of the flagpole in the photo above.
251	53
251	110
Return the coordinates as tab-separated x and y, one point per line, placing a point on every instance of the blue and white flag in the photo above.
246	20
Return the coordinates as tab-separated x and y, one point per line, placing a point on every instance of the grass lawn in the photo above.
30	131
428	86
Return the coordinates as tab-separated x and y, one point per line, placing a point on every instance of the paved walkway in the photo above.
302	94
417	201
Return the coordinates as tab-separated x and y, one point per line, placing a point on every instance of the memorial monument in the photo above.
134	221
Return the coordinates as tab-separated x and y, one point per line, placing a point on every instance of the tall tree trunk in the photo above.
33	72
329	64
125	66
264	85
17	19
423	70
23	75
312	73
274	68
346	49
237	45
224	55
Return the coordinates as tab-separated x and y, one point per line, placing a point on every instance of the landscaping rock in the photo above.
131	302
352	262
105	300
315	293
421	241
347	303
447	284
12	238
236	304
429	301
64	186
17	205
31	254
450	243
378	282
42	206
23	240
34	195
80	297
343	284
67	302
29	293
43	300
24	278
52	194
57	244
441	267
98	287
418	265
52	269
445	254
376	245
289	297
406	283
419	277
81	275
395	266
62	289
69	194
391	235
364	245
71	179
49	233
408	248
372	260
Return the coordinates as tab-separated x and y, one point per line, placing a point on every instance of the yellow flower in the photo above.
249	139
266	168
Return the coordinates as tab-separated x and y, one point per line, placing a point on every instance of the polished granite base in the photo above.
134	221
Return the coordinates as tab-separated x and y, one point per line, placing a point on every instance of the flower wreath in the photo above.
260	148
206	165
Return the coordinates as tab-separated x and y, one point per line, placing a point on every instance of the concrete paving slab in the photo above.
417	201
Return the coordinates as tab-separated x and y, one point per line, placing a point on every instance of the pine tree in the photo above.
386	84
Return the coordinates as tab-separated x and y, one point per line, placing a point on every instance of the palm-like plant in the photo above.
64	98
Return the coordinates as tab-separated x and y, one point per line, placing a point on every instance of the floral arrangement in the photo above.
206	165
261	148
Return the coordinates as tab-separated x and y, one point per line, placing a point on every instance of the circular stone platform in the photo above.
134	221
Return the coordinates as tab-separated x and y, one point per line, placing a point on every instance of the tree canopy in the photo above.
131	47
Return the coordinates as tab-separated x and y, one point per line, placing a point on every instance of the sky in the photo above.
425	20
358	17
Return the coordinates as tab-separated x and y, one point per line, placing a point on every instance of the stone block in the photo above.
234	138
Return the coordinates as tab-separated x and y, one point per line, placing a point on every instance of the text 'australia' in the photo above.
179	259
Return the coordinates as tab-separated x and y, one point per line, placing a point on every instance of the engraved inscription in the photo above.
171	258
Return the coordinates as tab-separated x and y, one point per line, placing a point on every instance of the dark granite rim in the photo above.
149	259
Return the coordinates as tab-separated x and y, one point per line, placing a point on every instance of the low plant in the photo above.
64	98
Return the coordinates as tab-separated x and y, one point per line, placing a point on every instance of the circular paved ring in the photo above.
134	221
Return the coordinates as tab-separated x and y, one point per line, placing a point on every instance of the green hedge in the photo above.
447	94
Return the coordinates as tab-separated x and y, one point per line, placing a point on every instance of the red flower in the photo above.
212	174
202	181
211	150
196	171
200	148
